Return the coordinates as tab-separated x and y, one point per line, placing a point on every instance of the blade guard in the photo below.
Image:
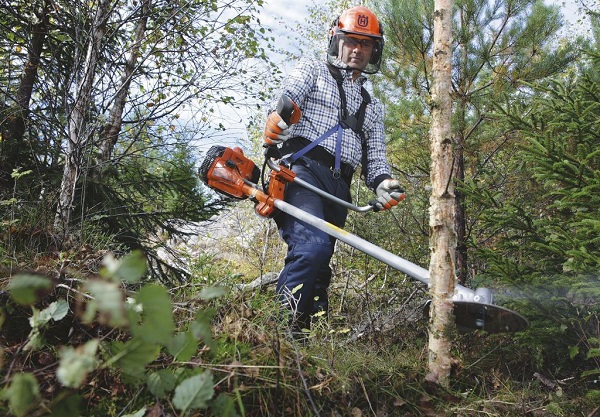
472	315
227	169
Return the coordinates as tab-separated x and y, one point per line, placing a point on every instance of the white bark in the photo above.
441	219
79	136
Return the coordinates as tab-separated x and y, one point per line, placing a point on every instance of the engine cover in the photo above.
227	169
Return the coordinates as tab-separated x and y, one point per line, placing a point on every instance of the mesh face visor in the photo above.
333	53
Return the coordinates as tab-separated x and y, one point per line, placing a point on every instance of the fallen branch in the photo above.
262	281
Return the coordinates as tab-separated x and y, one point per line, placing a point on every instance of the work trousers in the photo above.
305	278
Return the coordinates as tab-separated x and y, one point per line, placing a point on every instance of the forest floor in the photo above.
367	358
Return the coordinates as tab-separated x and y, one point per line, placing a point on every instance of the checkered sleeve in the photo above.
315	91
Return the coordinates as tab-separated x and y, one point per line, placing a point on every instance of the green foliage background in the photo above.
101	322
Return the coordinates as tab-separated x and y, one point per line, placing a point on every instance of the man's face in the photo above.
356	50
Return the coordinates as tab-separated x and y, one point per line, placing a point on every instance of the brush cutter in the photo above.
230	172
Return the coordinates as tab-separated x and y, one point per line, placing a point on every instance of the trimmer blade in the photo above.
472	316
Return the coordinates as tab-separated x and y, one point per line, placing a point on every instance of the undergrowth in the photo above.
106	342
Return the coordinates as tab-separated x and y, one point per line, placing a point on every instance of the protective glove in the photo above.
278	123
389	194
276	130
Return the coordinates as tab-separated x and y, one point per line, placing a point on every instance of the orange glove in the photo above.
276	130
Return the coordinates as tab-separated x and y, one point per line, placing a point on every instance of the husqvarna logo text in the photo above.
363	20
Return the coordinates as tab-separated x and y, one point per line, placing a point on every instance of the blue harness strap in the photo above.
354	122
338	147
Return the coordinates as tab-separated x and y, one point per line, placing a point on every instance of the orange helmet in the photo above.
360	21
357	20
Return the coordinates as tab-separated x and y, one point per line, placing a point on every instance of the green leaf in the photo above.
592	372
183	346
213	292
161	382
157	315
108	301
297	288
16	174
224	406
22	393
130	268
35	340
9	202
76	363
132	356
55	311
26	288
593	353
140	413
573	351
593	395
67	407
201	327
194	392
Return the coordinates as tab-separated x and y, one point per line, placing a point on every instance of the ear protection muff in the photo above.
332	49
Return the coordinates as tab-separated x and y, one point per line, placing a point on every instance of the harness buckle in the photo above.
337	173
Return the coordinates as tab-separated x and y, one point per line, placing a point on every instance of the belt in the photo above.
319	154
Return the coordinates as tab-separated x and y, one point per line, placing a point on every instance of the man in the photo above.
336	126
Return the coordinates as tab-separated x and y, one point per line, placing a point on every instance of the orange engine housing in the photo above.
276	191
227	170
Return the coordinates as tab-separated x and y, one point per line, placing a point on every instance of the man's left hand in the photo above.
389	194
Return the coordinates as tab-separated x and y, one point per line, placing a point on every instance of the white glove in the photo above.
389	194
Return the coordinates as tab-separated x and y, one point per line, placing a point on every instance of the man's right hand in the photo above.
287	114
276	130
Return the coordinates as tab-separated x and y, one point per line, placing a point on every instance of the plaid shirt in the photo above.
315	91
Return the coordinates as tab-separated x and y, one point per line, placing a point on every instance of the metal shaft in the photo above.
473	309
396	262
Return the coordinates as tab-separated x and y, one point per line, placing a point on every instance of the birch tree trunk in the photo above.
110	131
441	216
79	136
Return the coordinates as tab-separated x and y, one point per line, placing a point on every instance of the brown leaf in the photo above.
155	411
398	402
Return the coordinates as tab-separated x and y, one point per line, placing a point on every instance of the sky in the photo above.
296	11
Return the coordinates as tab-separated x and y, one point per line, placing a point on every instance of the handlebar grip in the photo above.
373	203
285	108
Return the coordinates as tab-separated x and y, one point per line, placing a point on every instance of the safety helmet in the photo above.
357	20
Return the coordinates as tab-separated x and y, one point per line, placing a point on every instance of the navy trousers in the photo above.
305	278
